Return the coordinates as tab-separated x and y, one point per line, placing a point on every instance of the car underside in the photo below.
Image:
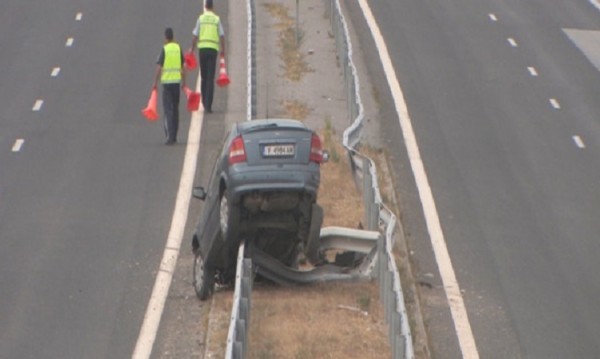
277	222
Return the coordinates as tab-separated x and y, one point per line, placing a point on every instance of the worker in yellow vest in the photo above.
209	36
170	71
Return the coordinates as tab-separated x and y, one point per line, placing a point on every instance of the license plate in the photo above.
279	150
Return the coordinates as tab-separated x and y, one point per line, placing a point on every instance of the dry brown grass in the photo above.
308	322
294	64
218	324
383	176
338	195
296	109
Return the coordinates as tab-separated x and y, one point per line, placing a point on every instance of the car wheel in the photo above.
314	234
228	219
204	279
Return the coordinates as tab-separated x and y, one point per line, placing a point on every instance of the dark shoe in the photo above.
170	142
208	110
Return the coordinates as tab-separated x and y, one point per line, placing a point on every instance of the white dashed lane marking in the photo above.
55	71
532	71
37	105
79	16
578	142
69	42
18	144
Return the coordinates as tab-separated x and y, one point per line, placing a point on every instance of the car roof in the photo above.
255	125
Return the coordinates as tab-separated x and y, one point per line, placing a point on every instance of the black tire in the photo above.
204	279
229	219
314	235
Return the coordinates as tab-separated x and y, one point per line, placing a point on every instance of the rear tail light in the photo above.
316	149
237	151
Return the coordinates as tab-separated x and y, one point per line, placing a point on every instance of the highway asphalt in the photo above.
505	108
87	187
504	102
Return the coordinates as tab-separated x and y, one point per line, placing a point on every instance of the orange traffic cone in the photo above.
190	60
223	79
193	99
150	111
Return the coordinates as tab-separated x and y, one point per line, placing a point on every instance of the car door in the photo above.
209	226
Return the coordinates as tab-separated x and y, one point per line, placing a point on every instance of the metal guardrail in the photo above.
237	343
344	239
377	215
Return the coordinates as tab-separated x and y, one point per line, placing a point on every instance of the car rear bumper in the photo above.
244	180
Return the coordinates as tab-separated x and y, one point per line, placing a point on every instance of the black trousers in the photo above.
208	65
170	97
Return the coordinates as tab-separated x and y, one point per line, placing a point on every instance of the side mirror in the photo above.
325	156
199	192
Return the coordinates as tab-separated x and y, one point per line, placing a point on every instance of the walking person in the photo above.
169	69
209	36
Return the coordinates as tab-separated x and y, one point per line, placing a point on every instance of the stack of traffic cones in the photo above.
223	79
150	111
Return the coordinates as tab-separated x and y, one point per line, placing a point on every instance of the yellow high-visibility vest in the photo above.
209	31
171	70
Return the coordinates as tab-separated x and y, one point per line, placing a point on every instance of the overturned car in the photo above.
263	188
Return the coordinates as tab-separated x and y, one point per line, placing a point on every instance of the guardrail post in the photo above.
381	257
247	282
393	323
382	262
238	352
387	293
240	328
352	96
243	323
348	94
374	215
399	347
367	191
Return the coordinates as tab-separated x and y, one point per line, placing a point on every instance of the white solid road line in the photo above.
462	325
18	144
156	304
